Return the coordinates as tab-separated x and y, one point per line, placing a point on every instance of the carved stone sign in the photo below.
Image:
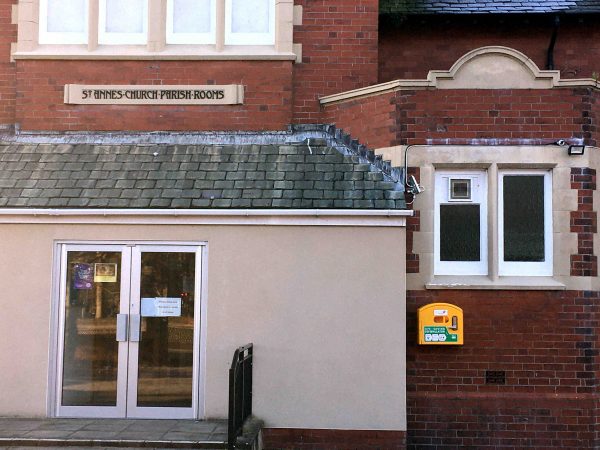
79	94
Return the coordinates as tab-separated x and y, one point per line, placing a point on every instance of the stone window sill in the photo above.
171	52
501	283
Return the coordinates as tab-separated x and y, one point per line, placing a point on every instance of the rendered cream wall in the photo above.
324	306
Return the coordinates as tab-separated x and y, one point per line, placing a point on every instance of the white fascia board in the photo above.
291	217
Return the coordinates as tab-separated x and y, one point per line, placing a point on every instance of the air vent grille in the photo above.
495	377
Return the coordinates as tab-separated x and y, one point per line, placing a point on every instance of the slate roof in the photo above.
410	7
191	176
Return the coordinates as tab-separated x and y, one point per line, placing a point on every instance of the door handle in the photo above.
122	327
134	327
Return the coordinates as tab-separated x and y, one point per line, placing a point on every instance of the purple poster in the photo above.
84	276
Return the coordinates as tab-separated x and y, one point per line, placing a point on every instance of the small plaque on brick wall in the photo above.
80	94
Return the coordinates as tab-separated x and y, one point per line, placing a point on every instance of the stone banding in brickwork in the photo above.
584	223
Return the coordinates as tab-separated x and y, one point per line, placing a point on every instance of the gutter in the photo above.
270	217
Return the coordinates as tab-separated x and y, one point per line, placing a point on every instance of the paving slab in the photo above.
111	433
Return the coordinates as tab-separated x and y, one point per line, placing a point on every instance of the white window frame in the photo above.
105	38
479	197
277	44
191	38
249	38
49	37
543	268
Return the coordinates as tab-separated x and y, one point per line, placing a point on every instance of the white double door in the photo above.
129	331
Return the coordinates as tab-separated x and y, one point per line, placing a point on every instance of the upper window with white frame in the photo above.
177	27
63	22
191	22
249	22
123	22
524	225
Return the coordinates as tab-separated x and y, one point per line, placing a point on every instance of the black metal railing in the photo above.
240	393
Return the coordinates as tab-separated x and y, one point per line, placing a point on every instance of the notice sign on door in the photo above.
161	307
83	276
105	273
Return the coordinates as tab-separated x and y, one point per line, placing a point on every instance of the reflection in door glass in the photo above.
90	348
167	344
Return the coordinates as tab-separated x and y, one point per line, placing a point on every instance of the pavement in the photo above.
18	433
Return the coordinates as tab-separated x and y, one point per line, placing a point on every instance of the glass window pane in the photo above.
192	16
166	352
66	16
125	16
460	189
524	218
90	353
460	233
250	16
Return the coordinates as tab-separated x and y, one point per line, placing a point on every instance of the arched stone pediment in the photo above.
494	68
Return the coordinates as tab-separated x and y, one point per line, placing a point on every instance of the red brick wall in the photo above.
294	438
507	422
339	52
371	120
413	225
40	87
8	34
411	48
584	223
547	344
463	115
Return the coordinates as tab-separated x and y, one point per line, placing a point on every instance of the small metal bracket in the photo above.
135	321
122	327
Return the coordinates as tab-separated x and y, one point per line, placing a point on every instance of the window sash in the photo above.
190	38
220	25
54	37
233	38
479	197
518	268
109	38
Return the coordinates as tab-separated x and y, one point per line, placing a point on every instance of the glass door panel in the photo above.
166	353
91	297
165	359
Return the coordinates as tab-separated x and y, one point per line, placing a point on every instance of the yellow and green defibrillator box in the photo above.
441	324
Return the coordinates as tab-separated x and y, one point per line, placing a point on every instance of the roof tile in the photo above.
191	176
488	7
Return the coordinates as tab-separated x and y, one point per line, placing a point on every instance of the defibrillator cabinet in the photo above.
441	324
